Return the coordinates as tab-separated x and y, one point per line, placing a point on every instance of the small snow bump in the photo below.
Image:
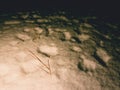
13	43
102	54
25	16
36	16
38	30
42	20
50	31
60	30
29	21
83	37
27	29
87	63
48	50
67	35
23	37
12	22
76	49
87	25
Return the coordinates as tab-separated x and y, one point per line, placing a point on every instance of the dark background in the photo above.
101	8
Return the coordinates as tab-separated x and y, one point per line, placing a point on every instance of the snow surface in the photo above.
50	54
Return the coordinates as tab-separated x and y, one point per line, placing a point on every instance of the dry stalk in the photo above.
44	70
35	56
49	66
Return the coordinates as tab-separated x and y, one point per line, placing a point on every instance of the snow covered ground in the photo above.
58	53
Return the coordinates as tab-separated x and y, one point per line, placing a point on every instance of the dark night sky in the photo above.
74	6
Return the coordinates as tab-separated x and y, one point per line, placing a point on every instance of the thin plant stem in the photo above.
48	67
